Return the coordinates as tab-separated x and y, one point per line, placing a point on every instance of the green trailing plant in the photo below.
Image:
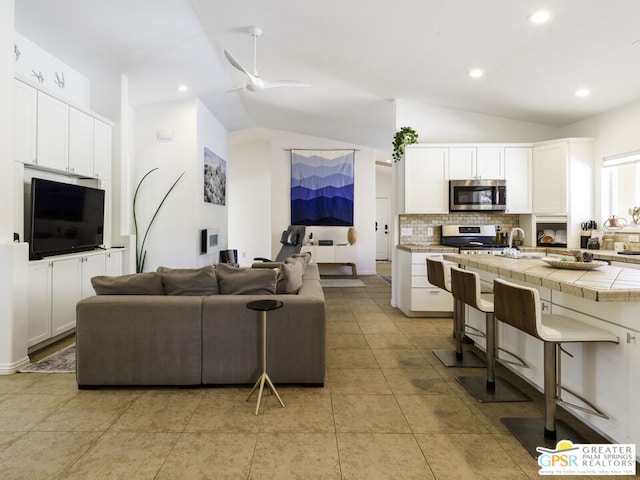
141	253
403	137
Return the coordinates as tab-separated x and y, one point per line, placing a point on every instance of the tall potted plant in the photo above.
403	137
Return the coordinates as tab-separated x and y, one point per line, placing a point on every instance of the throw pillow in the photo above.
304	255
148	283
188	281
245	281
290	276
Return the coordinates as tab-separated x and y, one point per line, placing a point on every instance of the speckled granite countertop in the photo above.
606	284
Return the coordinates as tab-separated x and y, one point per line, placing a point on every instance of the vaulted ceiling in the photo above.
358	55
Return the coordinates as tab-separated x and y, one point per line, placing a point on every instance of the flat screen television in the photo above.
65	218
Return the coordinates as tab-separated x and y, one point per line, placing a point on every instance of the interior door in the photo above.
382	228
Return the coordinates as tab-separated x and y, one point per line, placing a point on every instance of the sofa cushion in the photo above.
245	281
188	281
306	256
148	283
290	275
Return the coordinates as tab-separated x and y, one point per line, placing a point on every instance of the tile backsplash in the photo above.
420	224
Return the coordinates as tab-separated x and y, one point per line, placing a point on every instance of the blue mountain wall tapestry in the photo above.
322	187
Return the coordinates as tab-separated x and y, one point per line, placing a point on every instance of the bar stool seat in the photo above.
465	287
519	306
439	274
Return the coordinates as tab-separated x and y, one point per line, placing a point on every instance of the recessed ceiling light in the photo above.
582	92
476	73
539	17
183	88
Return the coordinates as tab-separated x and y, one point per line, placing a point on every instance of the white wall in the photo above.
212	135
615	132
174	238
440	124
250	194
260	186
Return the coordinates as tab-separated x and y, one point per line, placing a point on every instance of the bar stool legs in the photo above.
544	432
459	357
491	388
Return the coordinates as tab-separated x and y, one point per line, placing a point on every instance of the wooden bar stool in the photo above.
519	307
438	274
465	287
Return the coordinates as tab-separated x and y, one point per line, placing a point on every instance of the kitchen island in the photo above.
607	375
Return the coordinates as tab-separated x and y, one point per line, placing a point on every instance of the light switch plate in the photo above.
430	231
406	231
634	238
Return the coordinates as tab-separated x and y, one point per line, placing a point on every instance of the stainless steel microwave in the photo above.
477	195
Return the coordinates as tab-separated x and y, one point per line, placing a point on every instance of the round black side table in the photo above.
262	307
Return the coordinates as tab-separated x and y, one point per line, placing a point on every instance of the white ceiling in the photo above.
358	55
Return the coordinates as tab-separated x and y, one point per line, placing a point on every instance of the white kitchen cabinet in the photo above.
81	141
52	133
476	163
113	263
66	291
517	168
425	180
550	178
102	150
39	316
418	297
56	284
25	122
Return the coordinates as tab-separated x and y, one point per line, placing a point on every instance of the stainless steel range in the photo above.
472	239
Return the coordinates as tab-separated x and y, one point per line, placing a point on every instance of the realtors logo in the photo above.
587	459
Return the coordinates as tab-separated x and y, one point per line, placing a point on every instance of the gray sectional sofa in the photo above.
180	327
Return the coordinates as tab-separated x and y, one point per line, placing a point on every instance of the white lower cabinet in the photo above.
57	284
417	297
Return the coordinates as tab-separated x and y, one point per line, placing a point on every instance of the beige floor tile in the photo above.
89	411
368	413
439	414
371	316
336	328
22	412
387	341
55	383
210	455
218	412
346	340
357	380
282	456
304	412
124	455
468	456
424	380
7	438
433	342
400	358
38	455
18	382
343	358
378	326
159	411
393	456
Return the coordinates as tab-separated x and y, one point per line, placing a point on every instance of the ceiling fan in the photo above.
254	82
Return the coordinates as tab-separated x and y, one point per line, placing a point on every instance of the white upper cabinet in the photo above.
25	115
425	177
52	133
476	163
102	150
550	178
517	168
80	143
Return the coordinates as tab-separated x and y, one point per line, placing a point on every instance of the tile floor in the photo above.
389	410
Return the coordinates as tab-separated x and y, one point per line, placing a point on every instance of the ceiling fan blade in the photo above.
237	89
234	62
284	83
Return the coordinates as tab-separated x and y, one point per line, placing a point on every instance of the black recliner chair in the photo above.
291	240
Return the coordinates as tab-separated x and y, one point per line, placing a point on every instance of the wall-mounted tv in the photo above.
65	218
